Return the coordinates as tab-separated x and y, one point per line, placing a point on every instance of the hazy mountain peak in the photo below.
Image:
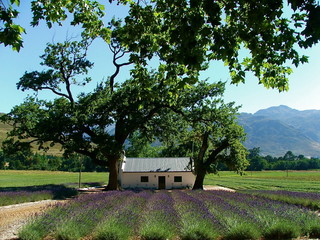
279	129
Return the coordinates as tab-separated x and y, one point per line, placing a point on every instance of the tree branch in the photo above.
56	92
116	49
213	155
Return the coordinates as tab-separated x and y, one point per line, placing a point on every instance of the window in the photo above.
144	179
177	179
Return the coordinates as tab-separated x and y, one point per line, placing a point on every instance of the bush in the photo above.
111	231
154	232
242	232
30	234
314	231
281	231
198	232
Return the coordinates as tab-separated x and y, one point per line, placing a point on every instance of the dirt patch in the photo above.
210	187
13	217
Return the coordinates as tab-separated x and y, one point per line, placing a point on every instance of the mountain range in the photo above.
277	130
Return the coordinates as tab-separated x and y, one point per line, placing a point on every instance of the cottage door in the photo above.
162	182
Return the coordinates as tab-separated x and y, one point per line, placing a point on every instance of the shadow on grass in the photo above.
59	192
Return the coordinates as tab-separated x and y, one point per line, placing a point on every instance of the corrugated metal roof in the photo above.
181	164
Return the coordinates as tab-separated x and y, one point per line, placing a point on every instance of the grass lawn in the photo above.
17	178
304	181
29	186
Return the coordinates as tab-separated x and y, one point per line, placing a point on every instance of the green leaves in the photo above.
85	12
10	33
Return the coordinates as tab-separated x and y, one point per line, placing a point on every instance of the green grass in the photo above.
303	181
29	186
20	178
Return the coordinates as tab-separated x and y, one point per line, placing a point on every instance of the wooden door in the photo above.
162	182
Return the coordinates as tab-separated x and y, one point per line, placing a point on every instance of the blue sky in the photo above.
304	92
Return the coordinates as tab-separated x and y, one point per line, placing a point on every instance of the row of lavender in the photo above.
30	194
306	199
185	215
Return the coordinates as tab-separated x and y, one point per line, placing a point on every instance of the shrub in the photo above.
314	231
111	231
31	233
242	232
154	232
281	231
198	231
69	231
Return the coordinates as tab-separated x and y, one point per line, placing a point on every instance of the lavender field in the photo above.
184	215
11	196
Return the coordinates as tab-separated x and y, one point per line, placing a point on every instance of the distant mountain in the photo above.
277	130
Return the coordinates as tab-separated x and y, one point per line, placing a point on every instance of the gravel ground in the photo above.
13	217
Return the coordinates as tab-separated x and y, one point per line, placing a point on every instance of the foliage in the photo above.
282	230
288	162
194	32
207	129
86	13
139	146
183	213
36	161
10	33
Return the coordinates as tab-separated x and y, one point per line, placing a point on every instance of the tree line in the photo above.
140	148
37	161
289	161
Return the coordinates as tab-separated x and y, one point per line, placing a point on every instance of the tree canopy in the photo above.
167	43
207	130
261	36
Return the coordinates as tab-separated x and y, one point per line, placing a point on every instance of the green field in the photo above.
303	181
19	178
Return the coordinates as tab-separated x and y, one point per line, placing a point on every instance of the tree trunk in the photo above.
113	174
198	184
199	164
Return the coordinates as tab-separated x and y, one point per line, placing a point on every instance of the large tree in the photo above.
207	130
98	123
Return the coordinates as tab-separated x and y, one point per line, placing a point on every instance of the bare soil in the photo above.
209	187
13	217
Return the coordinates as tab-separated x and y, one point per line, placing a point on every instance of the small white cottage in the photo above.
156	173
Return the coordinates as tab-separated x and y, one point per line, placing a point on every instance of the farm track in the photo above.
13	217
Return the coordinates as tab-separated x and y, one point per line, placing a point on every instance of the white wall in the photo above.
133	180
